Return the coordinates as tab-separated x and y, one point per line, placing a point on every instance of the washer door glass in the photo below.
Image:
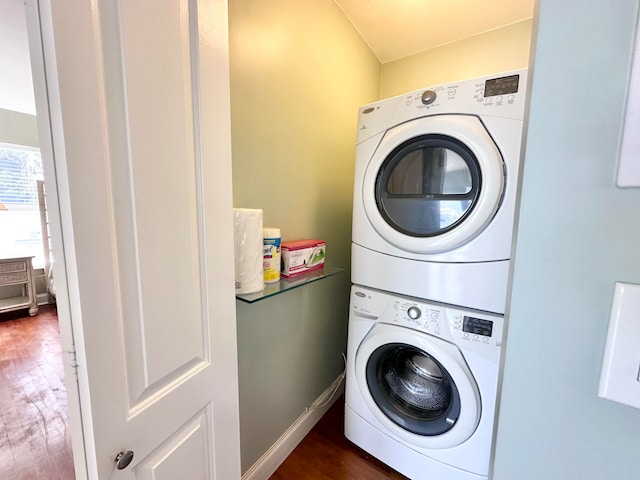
428	185
413	389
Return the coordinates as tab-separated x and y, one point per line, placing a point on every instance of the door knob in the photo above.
123	459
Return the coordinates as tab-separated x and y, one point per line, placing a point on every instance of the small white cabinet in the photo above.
18	271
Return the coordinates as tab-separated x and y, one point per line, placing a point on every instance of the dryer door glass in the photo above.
413	389
428	185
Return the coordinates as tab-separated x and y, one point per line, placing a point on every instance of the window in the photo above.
20	221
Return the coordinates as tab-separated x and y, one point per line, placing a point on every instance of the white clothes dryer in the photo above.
421	384
435	189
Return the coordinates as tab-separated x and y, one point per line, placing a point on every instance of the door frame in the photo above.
54	166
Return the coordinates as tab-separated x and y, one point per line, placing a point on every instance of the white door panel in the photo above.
139	102
183	455
155	187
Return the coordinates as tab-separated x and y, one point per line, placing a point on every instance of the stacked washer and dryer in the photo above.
435	190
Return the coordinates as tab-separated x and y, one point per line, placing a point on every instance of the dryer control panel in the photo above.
501	95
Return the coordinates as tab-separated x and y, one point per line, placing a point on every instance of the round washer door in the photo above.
418	386
433	183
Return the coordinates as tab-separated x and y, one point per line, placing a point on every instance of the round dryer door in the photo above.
419	387
434	183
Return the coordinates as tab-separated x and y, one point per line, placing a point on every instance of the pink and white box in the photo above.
302	256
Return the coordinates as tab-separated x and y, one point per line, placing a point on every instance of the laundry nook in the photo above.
319	239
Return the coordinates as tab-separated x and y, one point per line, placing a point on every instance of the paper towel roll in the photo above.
247	234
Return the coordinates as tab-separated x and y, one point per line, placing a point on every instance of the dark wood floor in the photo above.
34	439
325	454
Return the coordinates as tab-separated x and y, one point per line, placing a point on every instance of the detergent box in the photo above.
302	256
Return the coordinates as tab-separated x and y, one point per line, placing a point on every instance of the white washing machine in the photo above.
421	384
435	188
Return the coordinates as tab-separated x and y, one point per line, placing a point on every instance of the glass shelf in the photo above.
286	284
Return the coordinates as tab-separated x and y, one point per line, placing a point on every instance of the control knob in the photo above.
414	313
428	97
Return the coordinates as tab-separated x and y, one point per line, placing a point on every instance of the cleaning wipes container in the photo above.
271	249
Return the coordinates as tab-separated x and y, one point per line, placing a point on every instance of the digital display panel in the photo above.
501	86
477	326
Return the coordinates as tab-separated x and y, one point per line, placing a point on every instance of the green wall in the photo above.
289	352
18	128
299	72
577	235
496	51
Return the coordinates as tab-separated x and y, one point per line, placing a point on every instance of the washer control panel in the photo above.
419	316
476	327
473	330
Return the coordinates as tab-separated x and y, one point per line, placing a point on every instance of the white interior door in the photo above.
138	102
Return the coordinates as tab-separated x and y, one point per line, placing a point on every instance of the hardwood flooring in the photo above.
34	439
326	454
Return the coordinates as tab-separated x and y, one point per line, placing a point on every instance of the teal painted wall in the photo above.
577	235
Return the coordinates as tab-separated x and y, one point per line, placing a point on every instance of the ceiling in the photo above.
393	29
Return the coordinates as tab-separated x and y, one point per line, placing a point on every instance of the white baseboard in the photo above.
279	451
